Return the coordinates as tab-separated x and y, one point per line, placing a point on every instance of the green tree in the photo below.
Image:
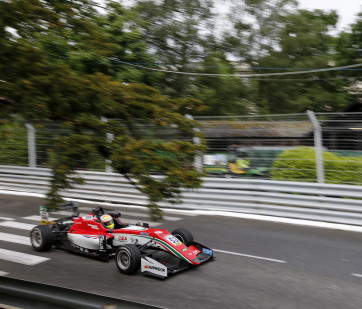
305	42
14	143
224	95
254	26
121	27
349	51
53	68
175	34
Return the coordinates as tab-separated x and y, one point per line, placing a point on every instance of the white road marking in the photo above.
37	218
357	275
5	218
17	225
3	273
23	240
250	256
21	258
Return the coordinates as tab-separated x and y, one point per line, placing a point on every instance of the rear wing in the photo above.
71	205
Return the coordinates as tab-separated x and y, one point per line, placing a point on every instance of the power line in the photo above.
244	75
222	66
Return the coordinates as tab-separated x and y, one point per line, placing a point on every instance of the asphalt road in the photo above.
258	264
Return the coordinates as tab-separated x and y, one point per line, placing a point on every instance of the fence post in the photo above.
110	138
318	146
31	145
198	161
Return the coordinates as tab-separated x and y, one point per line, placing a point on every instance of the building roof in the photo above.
223	128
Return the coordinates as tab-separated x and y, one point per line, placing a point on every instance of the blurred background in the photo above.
247	71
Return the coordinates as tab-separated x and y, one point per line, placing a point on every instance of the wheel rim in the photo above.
124	259
36	238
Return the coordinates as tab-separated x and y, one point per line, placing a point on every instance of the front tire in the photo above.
42	238
185	236
128	259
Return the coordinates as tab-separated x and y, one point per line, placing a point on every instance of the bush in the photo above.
299	164
13	143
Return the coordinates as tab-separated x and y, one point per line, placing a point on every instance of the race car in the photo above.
156	252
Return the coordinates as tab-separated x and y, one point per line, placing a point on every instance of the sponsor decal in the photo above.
185	249
44	218
196	252
207	251
93	226
172	239
75	218
122	238
88	217
91	236
159	232
155	268
102	242
144	234
81	249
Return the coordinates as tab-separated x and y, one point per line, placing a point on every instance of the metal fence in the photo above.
258	147
310	147
298	200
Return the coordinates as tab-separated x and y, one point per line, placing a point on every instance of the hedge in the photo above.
298	164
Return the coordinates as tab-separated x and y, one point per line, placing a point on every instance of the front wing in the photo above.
161	263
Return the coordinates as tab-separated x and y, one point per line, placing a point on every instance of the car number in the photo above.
173	240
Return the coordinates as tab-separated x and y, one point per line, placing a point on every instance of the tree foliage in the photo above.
349	51
175	34
65	61
304	43
58	69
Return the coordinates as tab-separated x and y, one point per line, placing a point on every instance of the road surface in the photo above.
258	264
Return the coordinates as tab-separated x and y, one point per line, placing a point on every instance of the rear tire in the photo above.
42	238
185	236
128	259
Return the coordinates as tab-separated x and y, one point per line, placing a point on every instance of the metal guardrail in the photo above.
299	200
27	294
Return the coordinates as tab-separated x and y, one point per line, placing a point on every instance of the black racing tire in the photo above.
42	238
184	236
128	259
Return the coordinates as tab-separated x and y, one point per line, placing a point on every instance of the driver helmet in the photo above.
108	221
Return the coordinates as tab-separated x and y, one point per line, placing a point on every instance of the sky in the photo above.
346	9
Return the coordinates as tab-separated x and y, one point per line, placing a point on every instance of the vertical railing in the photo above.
31	145
110	138
198	161
318	146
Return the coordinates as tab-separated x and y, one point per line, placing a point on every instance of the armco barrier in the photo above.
27	294
300	200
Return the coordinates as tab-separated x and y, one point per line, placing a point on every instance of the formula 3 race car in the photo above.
155	251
